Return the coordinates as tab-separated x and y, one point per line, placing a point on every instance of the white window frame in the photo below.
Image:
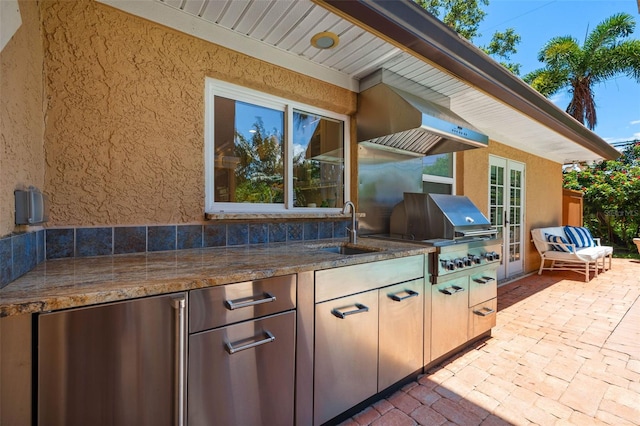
215	88
443	179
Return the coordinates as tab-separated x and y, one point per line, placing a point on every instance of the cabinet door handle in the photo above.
484	280
410	293
483	312
180	305
269	338
451	290
231	304
342	315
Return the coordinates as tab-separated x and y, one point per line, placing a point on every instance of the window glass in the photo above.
438	165
249	153
318	161
436	188
268	154
437	174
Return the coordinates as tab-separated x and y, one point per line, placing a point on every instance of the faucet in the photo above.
353	236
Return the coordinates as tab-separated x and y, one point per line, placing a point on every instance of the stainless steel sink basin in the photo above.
349	250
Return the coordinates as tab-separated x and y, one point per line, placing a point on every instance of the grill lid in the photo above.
443	216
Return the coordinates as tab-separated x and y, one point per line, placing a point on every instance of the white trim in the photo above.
214	88
166	15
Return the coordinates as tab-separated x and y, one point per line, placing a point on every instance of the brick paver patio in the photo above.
564	352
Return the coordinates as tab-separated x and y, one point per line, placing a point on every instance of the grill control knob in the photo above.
492	256
448	265
459	263
467	261
476	259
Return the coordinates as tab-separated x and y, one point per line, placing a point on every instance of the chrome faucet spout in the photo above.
353	235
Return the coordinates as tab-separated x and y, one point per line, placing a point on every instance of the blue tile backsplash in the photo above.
19	254
22	252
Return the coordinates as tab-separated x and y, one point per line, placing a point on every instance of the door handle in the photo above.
410	293
484	280
231	304
269	338
451	290
483	312
180	305
342	315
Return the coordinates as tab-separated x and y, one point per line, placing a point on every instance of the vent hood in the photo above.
400	115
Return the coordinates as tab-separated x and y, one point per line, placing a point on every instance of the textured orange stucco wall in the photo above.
21	114
125	113
543	189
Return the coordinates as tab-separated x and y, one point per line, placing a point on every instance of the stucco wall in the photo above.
21	114
543	189
125	113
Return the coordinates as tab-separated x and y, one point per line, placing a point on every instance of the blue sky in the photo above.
617	100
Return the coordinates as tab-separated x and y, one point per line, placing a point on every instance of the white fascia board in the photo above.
166	15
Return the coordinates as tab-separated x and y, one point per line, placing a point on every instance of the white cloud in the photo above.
634	122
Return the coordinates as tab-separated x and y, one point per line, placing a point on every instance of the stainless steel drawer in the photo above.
338	282
483	286
243	374
216	306
482	317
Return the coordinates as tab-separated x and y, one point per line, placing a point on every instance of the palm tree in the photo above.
603	56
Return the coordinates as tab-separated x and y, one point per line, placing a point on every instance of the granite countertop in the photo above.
67	283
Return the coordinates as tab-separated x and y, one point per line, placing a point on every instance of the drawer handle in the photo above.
484	280
483	312
410	293
269	338
361	308
451	290
231	305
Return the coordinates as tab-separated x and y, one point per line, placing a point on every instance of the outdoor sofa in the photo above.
568	248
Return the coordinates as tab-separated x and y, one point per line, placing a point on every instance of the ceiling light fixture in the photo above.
325	40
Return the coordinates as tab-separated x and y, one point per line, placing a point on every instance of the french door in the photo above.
506	208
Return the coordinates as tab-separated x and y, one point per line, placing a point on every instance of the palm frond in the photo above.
547	81
623	58
607	32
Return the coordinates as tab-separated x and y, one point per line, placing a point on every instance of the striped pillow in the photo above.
558	239
579	236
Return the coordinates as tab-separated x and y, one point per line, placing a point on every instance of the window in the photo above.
438	174
264	153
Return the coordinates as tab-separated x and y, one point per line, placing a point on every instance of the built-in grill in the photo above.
463	236
464	266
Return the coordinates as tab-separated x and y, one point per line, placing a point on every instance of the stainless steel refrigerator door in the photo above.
115	364
243	374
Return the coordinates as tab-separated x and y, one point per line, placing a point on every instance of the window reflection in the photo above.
318	161
249	153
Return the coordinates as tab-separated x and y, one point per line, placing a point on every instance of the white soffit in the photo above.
279	32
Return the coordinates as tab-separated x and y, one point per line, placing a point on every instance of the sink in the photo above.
349	250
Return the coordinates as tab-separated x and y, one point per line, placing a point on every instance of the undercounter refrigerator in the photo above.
115	364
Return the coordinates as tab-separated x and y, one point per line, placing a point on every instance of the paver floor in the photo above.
563	352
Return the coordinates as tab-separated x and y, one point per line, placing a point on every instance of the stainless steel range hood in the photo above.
397	114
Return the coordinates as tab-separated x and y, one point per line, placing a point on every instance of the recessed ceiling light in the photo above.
325	40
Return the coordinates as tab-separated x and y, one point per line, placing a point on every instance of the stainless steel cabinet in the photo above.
115	364
449	315
360	331
243	374
242	354
401	331
346	354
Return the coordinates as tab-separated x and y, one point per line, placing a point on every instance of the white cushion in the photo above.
589	254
